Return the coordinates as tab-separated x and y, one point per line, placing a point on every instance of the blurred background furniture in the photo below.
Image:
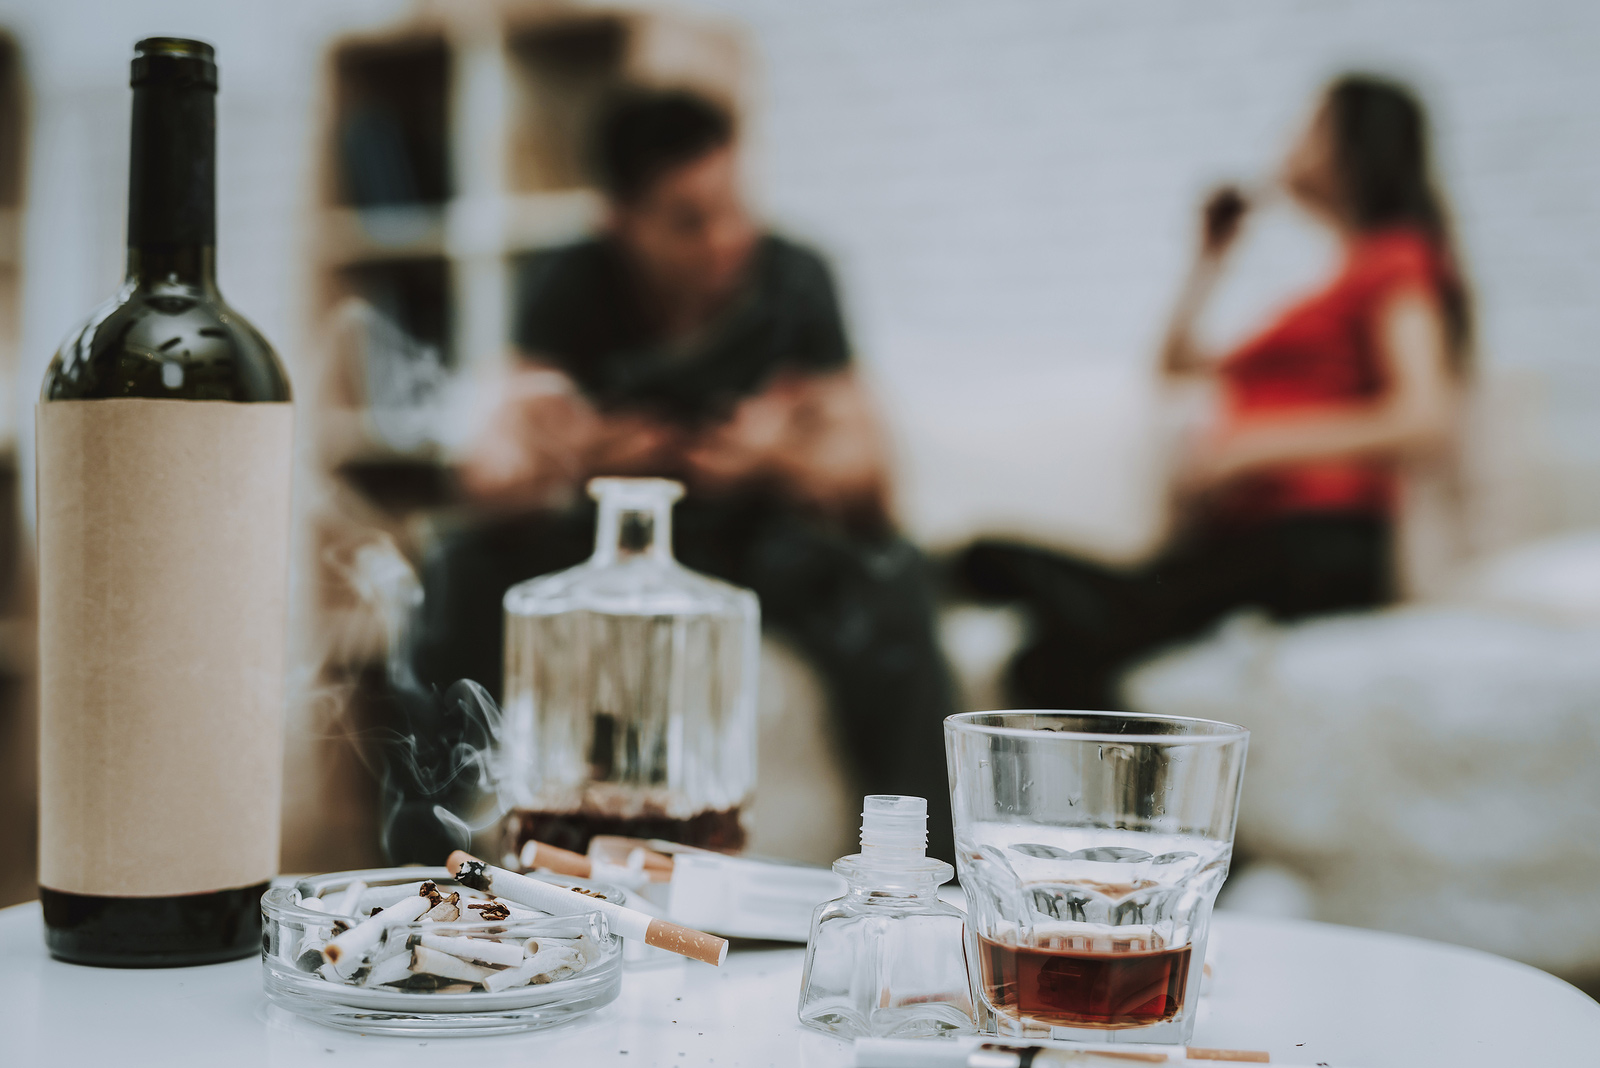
17	732
1467	735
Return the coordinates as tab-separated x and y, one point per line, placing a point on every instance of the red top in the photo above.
1322	355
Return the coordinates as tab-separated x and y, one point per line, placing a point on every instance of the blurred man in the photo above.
685	342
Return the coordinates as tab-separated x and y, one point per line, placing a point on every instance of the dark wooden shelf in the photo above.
391	132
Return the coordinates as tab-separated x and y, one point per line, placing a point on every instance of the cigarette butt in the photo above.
505	980
382	897
347	903
686	942
345	950
392	970
444	912
1247	1056
629	923
486	950
425	961
561	861
549	964
392	947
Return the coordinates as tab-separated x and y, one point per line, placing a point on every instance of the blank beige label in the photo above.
163	577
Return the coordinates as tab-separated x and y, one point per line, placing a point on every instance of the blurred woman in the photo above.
1290	502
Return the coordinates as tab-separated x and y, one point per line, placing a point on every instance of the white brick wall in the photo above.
1029	169
1010	185
1007	187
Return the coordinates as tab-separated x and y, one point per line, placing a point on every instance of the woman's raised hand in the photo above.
1221	216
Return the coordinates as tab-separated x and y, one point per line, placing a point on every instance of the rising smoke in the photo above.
432	752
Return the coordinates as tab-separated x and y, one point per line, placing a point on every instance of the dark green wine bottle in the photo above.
164	430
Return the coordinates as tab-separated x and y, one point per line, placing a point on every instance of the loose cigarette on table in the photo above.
969	1052
554	858
629	923
344	951
536	854
651	857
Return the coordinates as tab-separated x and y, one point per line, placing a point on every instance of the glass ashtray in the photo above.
492	968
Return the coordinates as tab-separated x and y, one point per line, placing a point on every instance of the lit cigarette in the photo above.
610	849
425	961
485	950
355	943
629	923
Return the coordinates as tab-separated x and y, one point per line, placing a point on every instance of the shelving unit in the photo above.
13	129
458	142
452	144
560	74
18	623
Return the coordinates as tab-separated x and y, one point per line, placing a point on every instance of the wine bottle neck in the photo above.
172	217
189	266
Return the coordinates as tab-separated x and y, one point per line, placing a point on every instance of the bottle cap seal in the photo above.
894	826
175	61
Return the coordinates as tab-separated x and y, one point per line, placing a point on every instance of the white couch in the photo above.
1430	769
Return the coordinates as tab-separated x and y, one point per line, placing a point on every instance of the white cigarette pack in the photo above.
740	897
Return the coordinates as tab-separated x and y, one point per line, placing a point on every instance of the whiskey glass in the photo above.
1091	846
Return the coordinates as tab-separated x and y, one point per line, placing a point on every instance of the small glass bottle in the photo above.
887	959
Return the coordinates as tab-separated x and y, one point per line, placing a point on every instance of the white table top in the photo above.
1307	992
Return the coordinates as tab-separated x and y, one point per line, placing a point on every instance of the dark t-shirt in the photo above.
577	307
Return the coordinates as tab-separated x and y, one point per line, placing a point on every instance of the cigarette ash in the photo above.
407	937
432	751
473	873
